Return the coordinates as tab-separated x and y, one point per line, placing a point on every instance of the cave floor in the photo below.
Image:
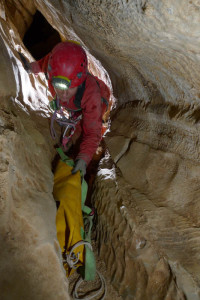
86	288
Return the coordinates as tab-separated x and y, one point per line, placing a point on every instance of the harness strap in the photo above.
105	101
80	92
79	95
65	158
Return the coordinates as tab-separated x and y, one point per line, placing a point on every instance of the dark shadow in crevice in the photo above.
41	37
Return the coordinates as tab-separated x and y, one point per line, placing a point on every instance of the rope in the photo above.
102	287
63	121
72	258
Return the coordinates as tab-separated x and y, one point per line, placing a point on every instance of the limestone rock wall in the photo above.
142	243
147	200
147	192
20	13
30	258
144	45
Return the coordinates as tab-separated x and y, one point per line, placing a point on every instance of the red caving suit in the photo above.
91	105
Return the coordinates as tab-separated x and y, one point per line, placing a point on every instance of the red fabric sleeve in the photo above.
105	91
40	65
92	120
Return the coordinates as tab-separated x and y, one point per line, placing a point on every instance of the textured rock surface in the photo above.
151	251
21	13
147	193
145	45
30	257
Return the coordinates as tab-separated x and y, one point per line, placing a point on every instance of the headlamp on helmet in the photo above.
68	60
61	83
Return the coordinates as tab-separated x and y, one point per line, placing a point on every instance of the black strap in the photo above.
103	100
80	92
79	95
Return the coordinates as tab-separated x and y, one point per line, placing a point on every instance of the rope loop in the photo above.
72	258
101	289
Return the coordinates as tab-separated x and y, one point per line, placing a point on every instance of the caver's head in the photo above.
67	69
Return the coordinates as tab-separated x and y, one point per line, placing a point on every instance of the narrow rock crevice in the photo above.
41	37
146	188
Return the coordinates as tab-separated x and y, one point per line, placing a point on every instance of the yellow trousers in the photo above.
69	219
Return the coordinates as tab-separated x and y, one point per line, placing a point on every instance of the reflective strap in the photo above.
53	104
65	158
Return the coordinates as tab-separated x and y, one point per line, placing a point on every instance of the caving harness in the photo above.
69	119
66	119
74	224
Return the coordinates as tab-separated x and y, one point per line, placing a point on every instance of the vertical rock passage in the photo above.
147	192
30	258
150	251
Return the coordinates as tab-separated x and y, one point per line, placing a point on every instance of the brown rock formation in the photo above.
30	259
147	188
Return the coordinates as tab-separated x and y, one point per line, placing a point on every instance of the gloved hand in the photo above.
80	165
25	63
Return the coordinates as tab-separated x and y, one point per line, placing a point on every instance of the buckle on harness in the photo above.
68	121
71	127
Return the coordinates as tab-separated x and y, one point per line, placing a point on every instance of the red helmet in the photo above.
67	65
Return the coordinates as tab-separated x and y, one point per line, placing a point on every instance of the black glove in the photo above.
25	63
80	165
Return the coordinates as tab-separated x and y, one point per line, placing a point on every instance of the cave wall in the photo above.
147	190
30	258
143	44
